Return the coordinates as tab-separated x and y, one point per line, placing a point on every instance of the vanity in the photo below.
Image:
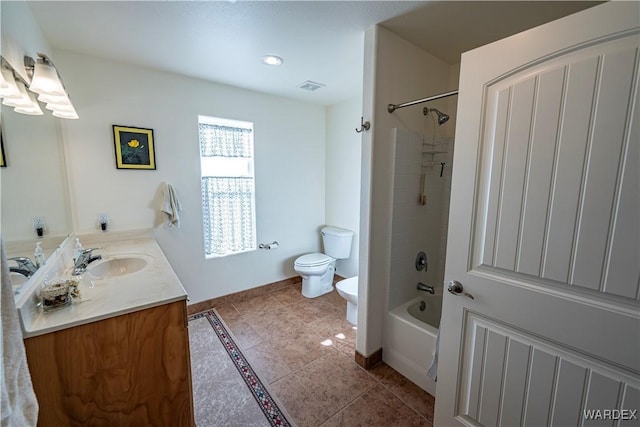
119	354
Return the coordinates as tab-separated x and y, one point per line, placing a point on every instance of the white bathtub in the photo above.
409	342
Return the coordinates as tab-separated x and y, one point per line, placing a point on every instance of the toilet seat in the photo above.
313	260
349	286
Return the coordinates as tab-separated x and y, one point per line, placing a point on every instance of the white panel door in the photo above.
545	229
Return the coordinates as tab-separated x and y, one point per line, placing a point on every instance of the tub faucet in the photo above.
427	288
84	259
26	267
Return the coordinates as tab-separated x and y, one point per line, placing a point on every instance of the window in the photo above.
228	187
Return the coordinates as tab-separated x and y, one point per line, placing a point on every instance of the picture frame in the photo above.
134	147
3	159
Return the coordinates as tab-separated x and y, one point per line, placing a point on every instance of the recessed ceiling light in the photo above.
272	60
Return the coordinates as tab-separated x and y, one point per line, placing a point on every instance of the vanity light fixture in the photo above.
65	115
272	60
14	92
3	82
8	88
23	102
46	81
33	109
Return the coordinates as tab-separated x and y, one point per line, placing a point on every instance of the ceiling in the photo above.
321	41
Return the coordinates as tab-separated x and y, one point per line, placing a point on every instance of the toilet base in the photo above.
314	286
352	313
311	291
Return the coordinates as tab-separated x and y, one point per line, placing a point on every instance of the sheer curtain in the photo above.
227	195
225	141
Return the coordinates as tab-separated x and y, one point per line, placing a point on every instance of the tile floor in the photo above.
304	349
220	395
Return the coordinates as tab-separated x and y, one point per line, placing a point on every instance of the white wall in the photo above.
400	72
21	35
289	167
343	176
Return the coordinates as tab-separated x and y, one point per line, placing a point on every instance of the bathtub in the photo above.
409	339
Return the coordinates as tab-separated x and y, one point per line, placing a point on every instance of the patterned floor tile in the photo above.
219	393
411	394
245	335
304	405
308	359
377	407
312	310
290	295
334	299
257	305
267	363
228	312
380	371
335	379
275	325
301	347
337	329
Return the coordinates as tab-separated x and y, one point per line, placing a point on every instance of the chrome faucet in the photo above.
26	267
427	288
25	273
85	258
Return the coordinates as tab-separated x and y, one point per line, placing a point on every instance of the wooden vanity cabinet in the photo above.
129	370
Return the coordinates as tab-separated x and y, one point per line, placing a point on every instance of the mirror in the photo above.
33	184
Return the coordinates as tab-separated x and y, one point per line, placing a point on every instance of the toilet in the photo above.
348	289
317	269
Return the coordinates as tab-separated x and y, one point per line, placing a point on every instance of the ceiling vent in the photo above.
311	86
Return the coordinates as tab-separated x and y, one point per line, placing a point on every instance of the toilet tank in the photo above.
337	242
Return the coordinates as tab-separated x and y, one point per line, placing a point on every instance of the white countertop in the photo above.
154	285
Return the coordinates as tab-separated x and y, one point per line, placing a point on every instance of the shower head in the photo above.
442	117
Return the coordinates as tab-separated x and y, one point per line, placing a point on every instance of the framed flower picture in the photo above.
3	160
134	147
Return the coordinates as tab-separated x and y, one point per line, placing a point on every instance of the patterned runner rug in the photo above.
274	415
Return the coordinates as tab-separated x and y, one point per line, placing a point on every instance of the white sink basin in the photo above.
17	280
117	266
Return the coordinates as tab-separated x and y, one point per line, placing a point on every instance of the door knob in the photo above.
456	288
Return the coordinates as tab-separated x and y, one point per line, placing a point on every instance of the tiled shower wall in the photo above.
417	227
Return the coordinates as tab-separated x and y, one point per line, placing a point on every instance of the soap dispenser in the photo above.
78	249
39	255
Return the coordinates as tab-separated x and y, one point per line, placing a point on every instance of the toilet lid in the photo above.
313	260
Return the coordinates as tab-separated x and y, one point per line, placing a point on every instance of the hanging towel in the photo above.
171	207
433	369
19	405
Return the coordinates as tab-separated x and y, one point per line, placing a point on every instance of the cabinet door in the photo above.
132	369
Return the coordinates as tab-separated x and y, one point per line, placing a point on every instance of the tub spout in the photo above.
426	288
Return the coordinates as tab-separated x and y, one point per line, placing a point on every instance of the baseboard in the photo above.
368	362
242	295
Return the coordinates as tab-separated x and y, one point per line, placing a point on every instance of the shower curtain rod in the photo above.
393	107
